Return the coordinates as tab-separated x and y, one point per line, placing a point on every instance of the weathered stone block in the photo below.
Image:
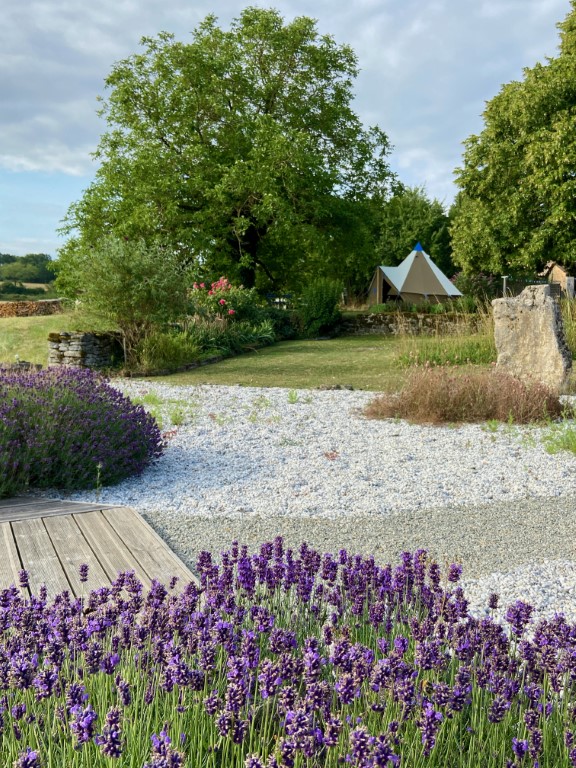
529	337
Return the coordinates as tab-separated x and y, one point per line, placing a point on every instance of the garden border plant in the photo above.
68	428
284	659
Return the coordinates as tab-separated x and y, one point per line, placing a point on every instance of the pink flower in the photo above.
195	286
222	301
231	311
202	285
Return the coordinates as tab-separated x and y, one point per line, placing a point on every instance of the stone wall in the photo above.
394	323
84	350
30	308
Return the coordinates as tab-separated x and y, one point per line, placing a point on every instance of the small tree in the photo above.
129	284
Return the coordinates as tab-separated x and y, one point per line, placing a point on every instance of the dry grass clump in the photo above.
439	395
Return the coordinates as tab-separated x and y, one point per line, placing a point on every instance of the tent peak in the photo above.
418	246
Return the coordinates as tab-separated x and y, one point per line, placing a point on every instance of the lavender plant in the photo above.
68	428
284	659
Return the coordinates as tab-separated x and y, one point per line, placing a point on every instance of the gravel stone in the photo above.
249	464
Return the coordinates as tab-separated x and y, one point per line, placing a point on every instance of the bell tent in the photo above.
416	279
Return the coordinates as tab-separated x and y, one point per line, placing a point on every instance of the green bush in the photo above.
223	337
166	351
318	309
131	285
285	322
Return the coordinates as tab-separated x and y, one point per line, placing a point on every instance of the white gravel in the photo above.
239	458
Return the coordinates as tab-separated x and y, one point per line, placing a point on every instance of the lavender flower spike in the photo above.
28	759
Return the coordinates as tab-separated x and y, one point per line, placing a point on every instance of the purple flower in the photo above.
454	573
83	570
124	690
162	754
429	724
498	709
82	723
28	759
110	741
519	747
23	579
518	616
253	761
361	743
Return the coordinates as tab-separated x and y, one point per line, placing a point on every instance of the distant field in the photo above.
27	337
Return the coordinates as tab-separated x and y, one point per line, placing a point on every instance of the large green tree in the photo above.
240	148
516	208
411	216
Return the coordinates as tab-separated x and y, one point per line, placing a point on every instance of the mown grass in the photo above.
375	363
368	363
27	337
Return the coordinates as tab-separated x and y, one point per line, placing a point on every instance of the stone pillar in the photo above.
529	337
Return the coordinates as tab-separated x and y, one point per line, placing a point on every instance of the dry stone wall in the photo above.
30	308
529	337
84	350
394	323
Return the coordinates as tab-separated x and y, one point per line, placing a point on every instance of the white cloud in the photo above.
427	69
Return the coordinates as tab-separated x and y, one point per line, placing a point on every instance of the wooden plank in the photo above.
73	550
108	547
39	557
16	501
10	564
152	552
29	512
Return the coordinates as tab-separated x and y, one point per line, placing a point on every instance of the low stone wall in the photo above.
84	350
30	308
394	323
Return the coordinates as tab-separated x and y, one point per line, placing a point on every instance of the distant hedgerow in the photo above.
69	428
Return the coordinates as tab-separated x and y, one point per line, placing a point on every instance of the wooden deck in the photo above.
51	539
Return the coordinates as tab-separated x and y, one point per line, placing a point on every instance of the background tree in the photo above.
237	148
411	216
516	208
32	268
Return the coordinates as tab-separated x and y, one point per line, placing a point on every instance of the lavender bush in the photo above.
68	428
284	659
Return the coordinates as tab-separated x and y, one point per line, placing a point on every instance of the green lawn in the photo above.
363	362
359	361
27	337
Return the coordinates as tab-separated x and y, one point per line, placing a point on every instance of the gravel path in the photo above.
249	464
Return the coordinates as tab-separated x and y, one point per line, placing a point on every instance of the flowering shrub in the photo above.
68	428
284	659
223	300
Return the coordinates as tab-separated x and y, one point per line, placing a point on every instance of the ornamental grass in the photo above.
445	394
67	428
284	659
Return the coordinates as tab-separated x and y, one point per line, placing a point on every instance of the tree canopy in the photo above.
239	149
32	268
516	208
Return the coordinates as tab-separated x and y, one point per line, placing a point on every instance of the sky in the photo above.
427	69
